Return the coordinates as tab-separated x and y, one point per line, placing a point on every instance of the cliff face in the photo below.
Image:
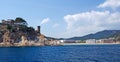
7	37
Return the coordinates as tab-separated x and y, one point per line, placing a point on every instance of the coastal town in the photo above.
91	41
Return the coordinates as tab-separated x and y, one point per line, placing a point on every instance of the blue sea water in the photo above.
69	53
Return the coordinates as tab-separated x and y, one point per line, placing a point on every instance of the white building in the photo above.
89	41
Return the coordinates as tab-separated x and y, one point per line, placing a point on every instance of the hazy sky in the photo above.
65	18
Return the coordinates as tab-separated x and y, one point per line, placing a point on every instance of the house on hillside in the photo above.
9	22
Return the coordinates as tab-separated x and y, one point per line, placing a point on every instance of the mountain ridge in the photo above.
98	35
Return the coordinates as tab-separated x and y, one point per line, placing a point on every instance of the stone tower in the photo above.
38	30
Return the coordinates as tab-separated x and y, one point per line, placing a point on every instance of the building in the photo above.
109	40
9	21
90	41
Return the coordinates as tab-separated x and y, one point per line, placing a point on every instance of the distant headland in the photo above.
17	33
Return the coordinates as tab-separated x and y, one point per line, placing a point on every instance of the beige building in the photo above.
110	40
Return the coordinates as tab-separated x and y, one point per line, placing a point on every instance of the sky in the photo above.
64	18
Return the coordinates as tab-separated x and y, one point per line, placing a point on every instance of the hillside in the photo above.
11	31
98	35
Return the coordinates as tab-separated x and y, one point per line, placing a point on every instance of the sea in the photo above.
66	53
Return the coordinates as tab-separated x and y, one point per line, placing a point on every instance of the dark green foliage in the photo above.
20	20
9	27
30	29
23	28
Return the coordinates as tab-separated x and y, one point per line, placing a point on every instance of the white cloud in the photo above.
85	18
45	20
55	25
110	3
90	22
84	23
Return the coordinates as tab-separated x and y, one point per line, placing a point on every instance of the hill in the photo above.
98	35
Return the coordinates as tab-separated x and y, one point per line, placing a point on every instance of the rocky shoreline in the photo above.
27	44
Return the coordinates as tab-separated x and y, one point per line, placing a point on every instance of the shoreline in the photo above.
65	44
30	46
26	45
91	44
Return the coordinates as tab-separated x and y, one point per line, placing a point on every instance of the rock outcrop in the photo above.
7	37
17	33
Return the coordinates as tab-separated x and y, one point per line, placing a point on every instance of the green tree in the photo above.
30	29
10	28
20	20
23	28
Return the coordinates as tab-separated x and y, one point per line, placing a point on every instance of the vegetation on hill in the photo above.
20	21
16	28
99	35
